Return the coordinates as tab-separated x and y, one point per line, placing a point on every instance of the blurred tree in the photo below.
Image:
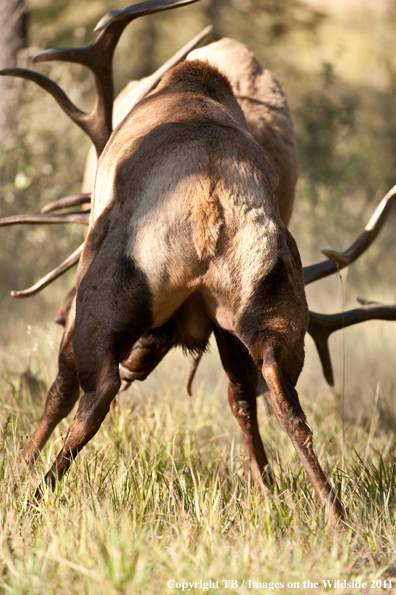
147	39
324	120
214	14
13	21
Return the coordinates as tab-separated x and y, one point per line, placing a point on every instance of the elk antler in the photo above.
322	325
98	57
81	217
62	268
339	260
66	202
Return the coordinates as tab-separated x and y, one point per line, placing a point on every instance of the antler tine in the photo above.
66	202
320	329
130	13
97	125
339	260
47	279
368	302
79	217
321	326
98	57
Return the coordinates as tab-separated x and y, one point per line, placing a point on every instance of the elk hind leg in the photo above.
242	384
100	390
283	401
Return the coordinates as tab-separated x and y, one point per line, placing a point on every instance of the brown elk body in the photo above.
185	226
264	106
268	119
267	116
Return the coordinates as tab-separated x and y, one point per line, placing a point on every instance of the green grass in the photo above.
159	494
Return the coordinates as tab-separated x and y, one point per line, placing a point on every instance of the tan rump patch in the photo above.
206	219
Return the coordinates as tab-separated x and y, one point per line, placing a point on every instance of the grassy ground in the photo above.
158	495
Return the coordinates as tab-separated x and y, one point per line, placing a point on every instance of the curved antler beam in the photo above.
130	13
339	260
62	268
81	118
81	217
66	202
321	326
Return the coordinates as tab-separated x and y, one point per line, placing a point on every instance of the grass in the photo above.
159	495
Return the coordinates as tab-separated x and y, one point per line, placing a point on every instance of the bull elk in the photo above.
268	118
266	112
184	239
267	115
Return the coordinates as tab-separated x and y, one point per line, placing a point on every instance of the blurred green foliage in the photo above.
324	121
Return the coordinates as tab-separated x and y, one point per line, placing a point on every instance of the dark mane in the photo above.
198	75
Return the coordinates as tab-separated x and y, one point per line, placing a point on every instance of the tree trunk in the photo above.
12	40
214	14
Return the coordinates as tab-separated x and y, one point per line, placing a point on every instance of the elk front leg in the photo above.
283	401
92	409
108	322
243	377
62	395
100	379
